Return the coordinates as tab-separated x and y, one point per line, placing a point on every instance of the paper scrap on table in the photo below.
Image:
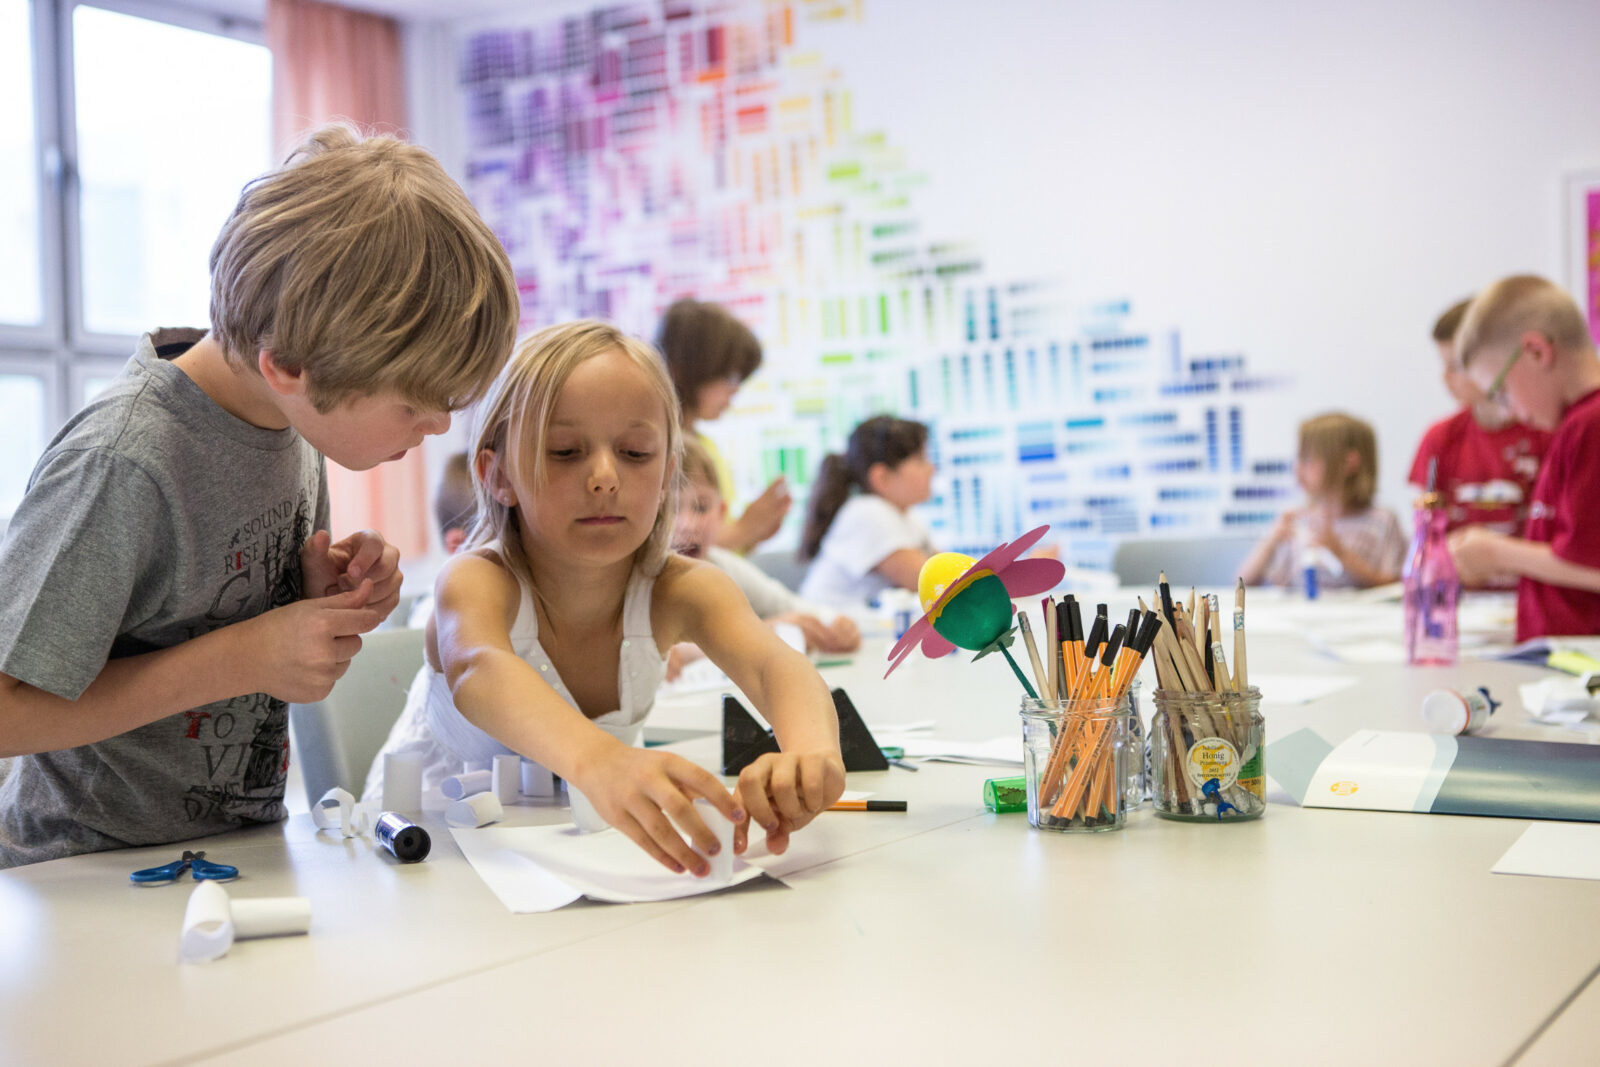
1554	850
1299	688
542	868
1375	651
1000	751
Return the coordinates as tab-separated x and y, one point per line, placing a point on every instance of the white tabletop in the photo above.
944	934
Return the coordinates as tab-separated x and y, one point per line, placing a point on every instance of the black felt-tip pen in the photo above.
869	805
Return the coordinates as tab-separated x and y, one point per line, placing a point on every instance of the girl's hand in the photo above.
1476	553
784	792
650	797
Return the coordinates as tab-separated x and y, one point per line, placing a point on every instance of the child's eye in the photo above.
563	453
639	457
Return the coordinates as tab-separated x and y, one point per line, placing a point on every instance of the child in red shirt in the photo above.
1524	342
1487	461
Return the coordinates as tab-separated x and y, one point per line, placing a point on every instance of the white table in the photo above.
944	935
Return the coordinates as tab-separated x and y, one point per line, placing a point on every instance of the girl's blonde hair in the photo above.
518	408
1331	438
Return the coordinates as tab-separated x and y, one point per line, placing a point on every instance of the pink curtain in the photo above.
331	63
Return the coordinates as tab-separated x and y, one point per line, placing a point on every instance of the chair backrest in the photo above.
781	565
336	739
1200	561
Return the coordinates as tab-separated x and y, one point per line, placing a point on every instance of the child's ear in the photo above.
1352	462
487	466
876	475
285	381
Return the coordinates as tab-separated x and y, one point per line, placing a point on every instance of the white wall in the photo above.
1308	184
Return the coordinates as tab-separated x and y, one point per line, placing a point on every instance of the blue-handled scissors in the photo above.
204	870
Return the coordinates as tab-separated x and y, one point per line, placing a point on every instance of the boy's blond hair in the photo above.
698	467
362	263
1331	438
1511	307
514	422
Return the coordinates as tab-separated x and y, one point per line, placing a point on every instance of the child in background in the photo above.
1487	461
454	509
551	625
1339	532
168	582
709	354
1525	344
701	511
860	535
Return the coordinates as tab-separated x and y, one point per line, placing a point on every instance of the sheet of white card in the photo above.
541	868
1554	850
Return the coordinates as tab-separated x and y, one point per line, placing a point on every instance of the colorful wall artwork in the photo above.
638	153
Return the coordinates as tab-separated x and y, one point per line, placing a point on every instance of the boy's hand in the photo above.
334	568
304	647
644	793
1476	552
784	792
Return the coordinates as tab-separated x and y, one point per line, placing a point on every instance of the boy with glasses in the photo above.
1487	461
1525	344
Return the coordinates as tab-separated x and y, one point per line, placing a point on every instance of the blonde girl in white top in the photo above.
575	460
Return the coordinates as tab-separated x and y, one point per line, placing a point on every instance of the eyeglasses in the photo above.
1497	391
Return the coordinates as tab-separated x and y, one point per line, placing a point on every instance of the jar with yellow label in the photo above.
1206	758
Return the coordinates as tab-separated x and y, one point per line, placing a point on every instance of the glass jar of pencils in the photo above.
1206	760
1082	773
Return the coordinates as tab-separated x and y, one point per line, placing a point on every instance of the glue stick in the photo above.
1450	712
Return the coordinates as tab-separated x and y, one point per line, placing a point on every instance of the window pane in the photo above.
20	268
21	434
171	123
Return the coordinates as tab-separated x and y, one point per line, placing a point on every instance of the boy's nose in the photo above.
436	423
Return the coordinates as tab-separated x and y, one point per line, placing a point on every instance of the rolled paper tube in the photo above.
719	824
270	917
402	781
463	785
207	932
536	780
333	811
584	815
507	775
479	809
212	921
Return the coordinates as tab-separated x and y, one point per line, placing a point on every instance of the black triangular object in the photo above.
860	749
743	739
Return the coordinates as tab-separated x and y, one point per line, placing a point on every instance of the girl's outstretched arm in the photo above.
647	795
781	792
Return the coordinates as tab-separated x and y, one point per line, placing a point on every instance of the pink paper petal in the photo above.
1026	577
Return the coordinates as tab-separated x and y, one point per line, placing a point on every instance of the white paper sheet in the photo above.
999	751
541	868
1299	688
1554	850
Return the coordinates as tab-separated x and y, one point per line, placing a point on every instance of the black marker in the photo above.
405	840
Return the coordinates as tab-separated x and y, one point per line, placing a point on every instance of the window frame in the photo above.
60	350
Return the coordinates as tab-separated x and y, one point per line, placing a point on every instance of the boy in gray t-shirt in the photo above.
168	581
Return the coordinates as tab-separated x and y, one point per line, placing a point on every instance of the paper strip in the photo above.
479	809
402	781
460	786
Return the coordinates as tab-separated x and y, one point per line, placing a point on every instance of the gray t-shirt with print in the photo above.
153	517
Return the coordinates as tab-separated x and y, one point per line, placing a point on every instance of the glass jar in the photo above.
1081	772
1206	758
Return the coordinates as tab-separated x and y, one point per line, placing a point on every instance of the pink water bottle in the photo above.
1432	586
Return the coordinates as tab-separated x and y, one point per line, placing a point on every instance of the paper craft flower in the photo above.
967	602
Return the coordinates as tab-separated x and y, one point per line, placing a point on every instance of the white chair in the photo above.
782	565
335	739
1203	561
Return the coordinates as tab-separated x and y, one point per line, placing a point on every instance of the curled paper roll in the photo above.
212	921
719	824
402	781
465	784
334	812
536	780
479	809
507	772
583	814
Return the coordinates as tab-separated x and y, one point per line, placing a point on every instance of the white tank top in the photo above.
640	669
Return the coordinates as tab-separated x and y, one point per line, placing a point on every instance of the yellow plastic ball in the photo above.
938	573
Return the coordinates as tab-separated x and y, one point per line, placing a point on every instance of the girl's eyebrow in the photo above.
648	424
